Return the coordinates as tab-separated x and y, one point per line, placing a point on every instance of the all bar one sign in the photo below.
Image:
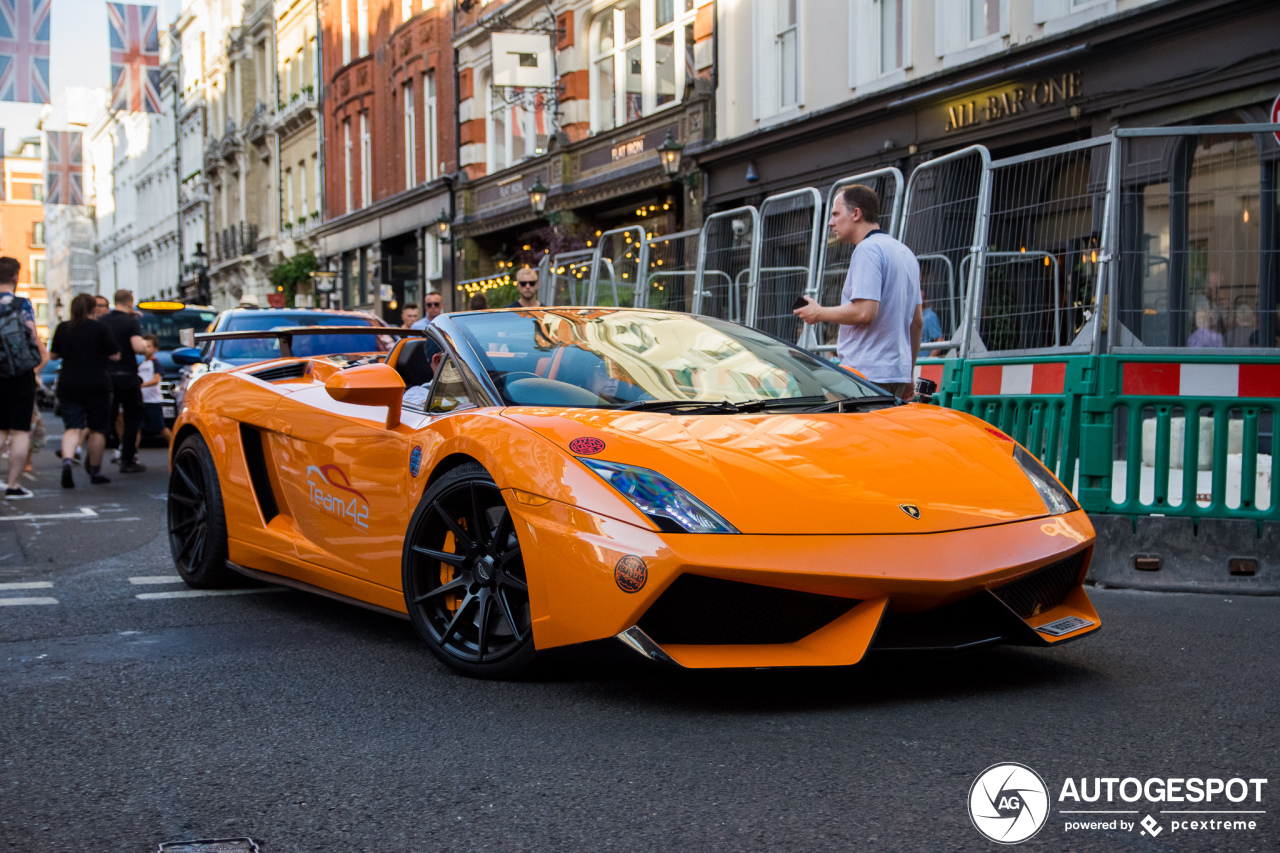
1006	103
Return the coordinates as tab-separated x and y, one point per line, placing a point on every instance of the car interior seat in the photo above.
413	362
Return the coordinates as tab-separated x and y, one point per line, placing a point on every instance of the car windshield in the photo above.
660	361
261	349
165	325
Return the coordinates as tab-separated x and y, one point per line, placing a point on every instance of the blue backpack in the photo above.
18	350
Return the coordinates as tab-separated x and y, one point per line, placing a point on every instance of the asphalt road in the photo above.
127	720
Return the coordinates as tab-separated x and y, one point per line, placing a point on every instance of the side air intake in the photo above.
284	371
255	459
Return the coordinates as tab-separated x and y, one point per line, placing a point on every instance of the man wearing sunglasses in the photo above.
434	303
527	285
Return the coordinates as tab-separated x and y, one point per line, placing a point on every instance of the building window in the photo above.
315	183
984	18
879	41
302	189
779	82
346	30
362	26
346	162
637	59
406	9
410	138
37	192
366	167
37	235
518	132
38	271
288	190
786	41
959	26
429	143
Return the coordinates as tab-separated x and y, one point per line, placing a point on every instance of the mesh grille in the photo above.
697	610
1042	589
284	371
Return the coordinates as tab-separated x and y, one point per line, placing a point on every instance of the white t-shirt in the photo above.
887	271
151	393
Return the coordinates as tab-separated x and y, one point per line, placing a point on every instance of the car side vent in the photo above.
699	610
284	371
256	461
1044	588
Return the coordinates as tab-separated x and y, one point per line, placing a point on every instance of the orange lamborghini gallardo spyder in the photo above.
517	480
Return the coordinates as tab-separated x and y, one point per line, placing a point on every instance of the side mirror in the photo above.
187	355
369	385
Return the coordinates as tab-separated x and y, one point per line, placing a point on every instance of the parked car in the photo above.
166	320
225	355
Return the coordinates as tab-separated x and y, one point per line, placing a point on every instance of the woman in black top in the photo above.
84	389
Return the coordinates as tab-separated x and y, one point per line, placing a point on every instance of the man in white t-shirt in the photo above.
880	318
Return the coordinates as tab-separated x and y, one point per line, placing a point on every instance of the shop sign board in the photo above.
1052	91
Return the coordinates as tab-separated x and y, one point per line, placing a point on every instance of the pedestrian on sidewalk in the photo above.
86	346
435	307
880	318
152	399
126	385
22	354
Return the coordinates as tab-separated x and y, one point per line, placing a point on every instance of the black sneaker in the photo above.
18	493
99	480
68	482
132	468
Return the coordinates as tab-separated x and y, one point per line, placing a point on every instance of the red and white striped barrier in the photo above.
1163	379
1013	380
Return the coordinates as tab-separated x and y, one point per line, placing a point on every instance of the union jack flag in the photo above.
64	173
24	50
135	57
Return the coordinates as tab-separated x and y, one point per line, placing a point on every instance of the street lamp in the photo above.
203	295
444	226
538	196
671	152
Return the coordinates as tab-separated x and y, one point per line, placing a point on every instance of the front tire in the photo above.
197	523
464	579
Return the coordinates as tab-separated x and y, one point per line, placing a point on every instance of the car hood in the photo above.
815	473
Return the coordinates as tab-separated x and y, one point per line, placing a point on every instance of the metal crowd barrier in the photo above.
728	272
620	262
673	264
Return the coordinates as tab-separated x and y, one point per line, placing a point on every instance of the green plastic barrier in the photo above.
1197	436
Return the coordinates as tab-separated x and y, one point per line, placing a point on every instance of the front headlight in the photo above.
667	505
1056	499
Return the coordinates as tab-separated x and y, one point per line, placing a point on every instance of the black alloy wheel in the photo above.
464	578
197	524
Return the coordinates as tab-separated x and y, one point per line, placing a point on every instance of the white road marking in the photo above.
198	593
18	602
155	579
85	512
27	585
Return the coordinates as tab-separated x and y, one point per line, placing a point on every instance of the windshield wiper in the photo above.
727	406
853	404
666	405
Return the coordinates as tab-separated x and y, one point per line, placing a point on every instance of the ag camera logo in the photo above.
1008	803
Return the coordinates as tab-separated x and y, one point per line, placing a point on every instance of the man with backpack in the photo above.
22	354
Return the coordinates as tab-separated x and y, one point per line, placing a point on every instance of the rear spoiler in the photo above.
286	334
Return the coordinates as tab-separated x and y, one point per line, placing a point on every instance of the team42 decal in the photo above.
331	491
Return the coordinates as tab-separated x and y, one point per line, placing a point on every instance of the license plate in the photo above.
1064	626
169	412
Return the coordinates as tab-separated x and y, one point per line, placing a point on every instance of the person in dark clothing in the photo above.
86	347
17	391
479	302
126	385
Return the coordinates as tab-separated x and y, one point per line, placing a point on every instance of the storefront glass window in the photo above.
1196	244
637	47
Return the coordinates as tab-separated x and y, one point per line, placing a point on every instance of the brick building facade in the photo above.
389	149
